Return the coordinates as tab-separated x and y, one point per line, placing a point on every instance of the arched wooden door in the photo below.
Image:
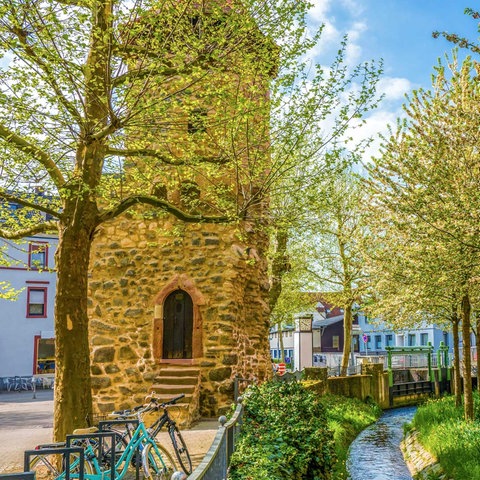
177	325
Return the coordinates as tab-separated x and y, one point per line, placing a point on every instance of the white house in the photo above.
378	336
26	325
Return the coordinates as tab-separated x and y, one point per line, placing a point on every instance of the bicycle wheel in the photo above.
157	468
180	448
52	466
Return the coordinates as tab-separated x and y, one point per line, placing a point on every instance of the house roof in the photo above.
317	324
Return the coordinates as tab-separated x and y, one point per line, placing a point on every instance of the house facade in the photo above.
369	338
27	343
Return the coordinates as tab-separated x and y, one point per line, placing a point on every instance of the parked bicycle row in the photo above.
120	446
24	383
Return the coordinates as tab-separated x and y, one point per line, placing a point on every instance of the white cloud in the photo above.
356	31
394	88
353	53
318	13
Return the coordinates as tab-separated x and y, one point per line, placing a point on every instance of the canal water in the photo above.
375	454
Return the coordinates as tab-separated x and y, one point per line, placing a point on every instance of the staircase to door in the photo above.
173	380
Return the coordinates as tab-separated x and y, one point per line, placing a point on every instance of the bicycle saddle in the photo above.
85	431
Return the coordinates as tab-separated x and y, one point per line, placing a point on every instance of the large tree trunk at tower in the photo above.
73	396
347	339
467	360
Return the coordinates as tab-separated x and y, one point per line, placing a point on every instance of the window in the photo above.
44	355
389	340
424	339
378	342
412	339
37	302
335	341
38	255
369	341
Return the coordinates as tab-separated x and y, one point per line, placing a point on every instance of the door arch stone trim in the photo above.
178	282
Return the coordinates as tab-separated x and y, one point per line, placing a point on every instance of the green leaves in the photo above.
424	203
284	435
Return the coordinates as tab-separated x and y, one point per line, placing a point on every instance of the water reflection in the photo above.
375	454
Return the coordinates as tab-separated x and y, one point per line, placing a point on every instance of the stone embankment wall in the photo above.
134	264
371	384
421	463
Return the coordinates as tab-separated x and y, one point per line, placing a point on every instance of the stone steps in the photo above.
172	389
172	381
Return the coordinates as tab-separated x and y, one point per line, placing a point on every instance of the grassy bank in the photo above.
347	417
445	434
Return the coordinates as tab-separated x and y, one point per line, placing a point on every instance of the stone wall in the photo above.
371	384
135	262
421	463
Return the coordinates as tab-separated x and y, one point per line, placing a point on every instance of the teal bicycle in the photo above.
104	460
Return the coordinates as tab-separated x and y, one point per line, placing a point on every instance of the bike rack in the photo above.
65	451
134	422
100	436
18	476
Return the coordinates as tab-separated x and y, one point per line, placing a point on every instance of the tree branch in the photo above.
25	232
148	152
23	145
26	203
142	72
50	76
129	202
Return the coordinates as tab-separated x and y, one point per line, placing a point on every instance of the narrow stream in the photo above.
375	454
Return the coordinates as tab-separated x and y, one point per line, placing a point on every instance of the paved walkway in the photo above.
26	422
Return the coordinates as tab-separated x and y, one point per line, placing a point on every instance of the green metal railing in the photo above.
426	351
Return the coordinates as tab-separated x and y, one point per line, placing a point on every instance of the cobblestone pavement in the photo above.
26	422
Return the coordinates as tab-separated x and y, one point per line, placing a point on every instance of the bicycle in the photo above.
178	443
157	463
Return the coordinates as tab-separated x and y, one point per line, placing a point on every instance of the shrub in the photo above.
284	436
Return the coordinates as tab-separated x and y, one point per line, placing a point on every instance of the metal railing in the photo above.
18	476
54	449
214	465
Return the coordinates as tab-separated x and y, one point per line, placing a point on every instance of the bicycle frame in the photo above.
139	440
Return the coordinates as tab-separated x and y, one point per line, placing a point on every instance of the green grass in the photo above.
347	417
445	434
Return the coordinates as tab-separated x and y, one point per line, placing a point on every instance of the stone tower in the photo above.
183	307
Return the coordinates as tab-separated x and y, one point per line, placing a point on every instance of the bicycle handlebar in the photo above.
152	399
139	409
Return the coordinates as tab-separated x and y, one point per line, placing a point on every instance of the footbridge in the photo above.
410	383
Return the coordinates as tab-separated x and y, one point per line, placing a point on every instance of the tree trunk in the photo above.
73	396
279	266
477	338
457	378
467	361
347	339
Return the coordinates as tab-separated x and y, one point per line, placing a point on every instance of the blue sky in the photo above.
400	33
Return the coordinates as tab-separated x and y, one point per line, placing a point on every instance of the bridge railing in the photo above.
214	465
